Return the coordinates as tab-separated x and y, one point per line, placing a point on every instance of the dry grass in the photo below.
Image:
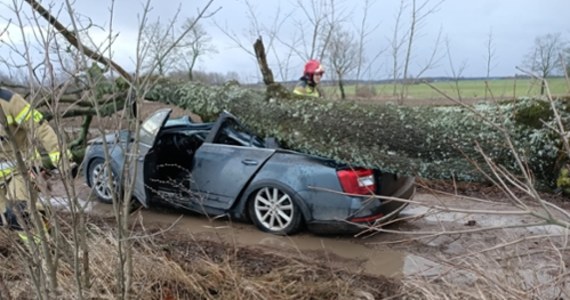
511	272
173	266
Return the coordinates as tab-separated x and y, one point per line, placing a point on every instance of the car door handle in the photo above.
249	162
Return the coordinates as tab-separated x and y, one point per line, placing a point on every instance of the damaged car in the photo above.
221	168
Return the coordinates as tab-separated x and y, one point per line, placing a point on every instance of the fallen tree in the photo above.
432	142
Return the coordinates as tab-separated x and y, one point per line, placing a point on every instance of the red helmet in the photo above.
313	66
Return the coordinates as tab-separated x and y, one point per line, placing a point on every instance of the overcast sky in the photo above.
464	24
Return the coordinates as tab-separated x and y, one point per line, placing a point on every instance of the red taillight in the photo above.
358	181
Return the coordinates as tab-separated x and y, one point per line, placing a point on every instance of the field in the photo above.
468	89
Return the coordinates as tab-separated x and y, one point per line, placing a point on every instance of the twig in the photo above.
565	68
441	208
505	133
156	233
530	253
503	245
456	194
4	291
436	234
73	40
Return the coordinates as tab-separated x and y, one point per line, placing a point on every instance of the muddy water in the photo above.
342	253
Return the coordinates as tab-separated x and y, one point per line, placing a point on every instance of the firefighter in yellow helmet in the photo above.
28	129
308	84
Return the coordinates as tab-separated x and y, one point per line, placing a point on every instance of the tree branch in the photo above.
73	40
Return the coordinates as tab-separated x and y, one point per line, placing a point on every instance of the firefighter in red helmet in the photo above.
308	84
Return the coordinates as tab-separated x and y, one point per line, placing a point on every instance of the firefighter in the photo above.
27	128
308	84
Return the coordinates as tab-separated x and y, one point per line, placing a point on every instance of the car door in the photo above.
148	132
225	163
220	172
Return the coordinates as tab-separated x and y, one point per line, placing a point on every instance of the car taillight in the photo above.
357	181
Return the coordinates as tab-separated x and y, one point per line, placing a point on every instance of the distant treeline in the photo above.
417	80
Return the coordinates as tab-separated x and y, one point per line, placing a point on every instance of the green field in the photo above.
468	89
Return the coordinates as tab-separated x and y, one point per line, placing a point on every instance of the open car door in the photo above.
149	130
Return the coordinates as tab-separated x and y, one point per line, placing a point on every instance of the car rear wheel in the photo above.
273	210
99	175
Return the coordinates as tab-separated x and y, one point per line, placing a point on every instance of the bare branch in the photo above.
72	39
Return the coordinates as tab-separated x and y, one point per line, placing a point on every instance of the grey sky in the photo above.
464	24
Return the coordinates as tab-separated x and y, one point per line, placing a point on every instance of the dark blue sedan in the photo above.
220	168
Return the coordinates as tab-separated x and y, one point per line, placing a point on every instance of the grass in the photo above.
469	89
175	265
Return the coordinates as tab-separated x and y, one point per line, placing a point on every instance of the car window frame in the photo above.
148	136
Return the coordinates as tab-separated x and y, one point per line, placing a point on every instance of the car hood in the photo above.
112	138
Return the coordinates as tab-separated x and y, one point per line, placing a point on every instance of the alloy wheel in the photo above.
274	209
100	182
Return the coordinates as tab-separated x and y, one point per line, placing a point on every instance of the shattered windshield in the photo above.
233	133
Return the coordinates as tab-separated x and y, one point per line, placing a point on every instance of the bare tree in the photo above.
315	27
396	44
269	33
343	56
456	71
543	57
197	43
157	39
566	60
419	13
364	32
489	58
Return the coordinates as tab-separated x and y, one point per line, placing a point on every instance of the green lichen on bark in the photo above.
563	180
432	142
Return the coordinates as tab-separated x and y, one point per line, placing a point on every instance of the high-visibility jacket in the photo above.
29	129
303	88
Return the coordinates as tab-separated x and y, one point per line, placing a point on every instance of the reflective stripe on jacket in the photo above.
27	125
304	89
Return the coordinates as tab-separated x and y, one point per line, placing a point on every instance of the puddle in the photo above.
343	252
485	220
335	252
369	256
63	203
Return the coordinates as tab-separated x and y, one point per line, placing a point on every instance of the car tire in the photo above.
274	209
99	180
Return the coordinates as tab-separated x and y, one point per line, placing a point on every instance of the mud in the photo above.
410	246
340	253
442	237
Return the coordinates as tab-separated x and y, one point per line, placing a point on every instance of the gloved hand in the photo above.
40	179
74	169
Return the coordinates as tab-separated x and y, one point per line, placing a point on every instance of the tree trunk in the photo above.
432	142
341	88
262	62
84	131
191	67
404	90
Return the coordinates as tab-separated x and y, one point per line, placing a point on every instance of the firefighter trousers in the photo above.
14	203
